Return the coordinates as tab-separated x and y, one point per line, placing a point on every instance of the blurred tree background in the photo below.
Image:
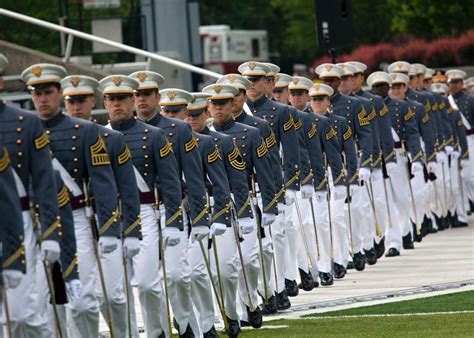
290	23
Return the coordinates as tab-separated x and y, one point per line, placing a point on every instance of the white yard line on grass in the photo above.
421	314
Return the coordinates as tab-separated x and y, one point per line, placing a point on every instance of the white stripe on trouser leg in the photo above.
146	273
26	301
179	276
324	240
112	265
83	313
201	289
228	266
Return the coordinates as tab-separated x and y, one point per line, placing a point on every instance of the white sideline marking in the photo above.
387	315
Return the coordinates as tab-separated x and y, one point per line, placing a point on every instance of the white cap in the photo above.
235	80
320	89
439	88
253	68
3	64
148	80
300	83
421	68
469	82
117	84
399	78
348	69
198	103
399	67
282	80
329	70
359	66
414	70
379	77
455	74
75	85
221	91
43	73
274	69
174	97
429	73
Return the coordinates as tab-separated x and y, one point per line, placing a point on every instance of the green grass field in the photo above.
425	317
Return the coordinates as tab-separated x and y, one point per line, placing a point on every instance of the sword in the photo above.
315	228
93	226
161	250
303	233
390	224
350	218
7	311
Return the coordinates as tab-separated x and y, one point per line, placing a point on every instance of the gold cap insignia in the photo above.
231	78
193	100
252	65
117	80
75	80
295	80
328	67
399	65
217	89
171	95
394	76
141	77
37	70
316	86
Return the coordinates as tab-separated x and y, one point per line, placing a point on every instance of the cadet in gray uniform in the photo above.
27	144
157	177
190	169
81	157
254	151
78	92
407	137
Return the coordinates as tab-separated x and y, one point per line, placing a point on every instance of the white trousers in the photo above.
380	201
306	246
362	220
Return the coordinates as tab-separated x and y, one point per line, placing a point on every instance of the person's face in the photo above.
358	81
320	104
427	83
269	85
180	114
257	88
455	86
197	122
239	101
298	99
281	95
413	82
420	79
119	107
80	107
332	82
147	102
397	91
381	89
221	110
47	101
347	83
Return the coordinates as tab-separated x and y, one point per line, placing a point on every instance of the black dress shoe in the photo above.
350	265
392	252
271	307
233	328
162	334
439	223
339	271
291	288
359	261
380	247
307	281
326	278
212	333
254	317
371	256
188	333
416	237
283	303
407	242
433	230
471	206
459	224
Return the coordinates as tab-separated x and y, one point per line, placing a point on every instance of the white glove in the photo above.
449	150
108	244
364	174
321	196
50	251
171	236
441	157
281	208
246	225
131	247
339	192
217	229
455	155
199	232
390	167
307	191
290	196
11	278
464	163
432	166
353	188
416	167
267	219
73	289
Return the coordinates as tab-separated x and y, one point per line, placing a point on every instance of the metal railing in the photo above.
71	33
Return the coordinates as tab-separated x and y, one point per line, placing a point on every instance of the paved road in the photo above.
442	262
